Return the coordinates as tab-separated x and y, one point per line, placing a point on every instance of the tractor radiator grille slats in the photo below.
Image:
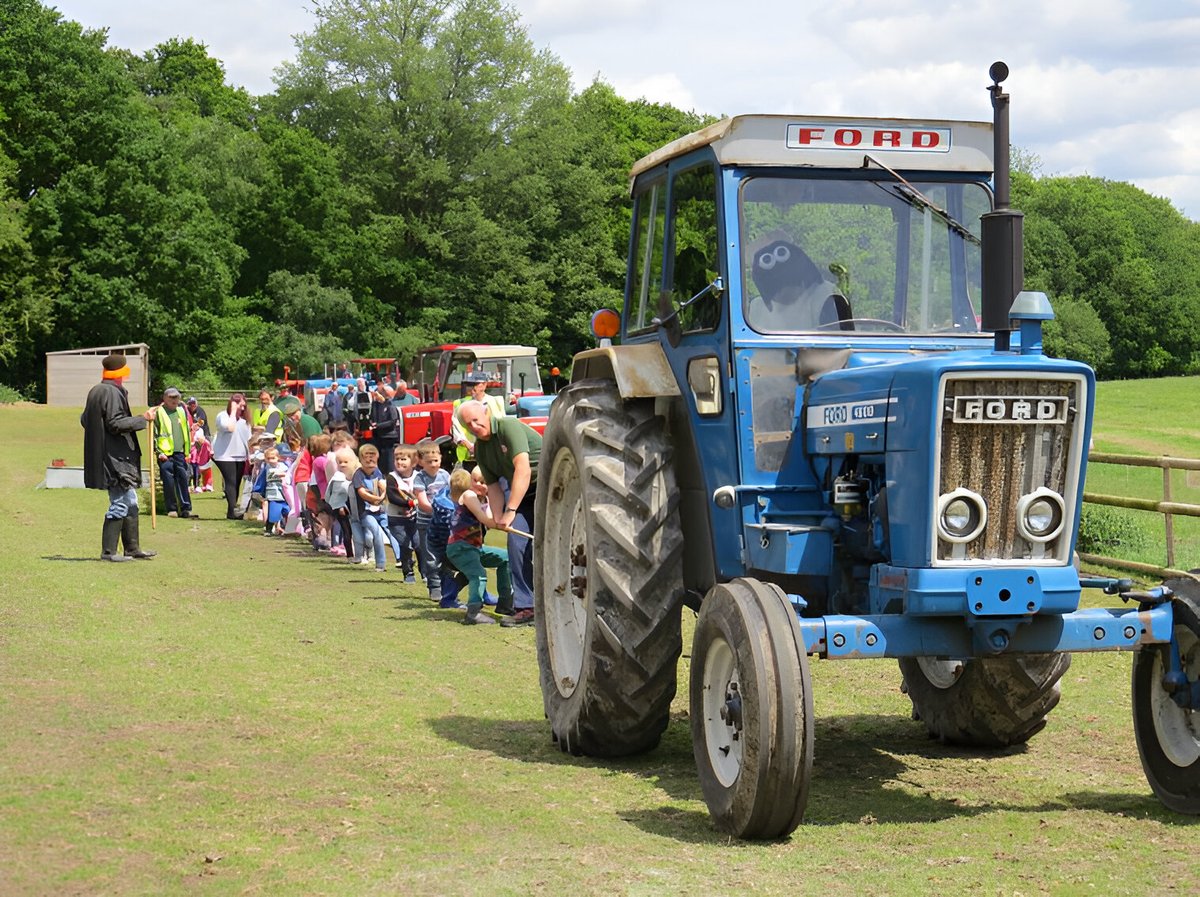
993	443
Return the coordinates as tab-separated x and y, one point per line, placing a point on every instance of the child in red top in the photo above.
465	548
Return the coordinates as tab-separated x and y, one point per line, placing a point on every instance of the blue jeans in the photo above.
404	540
376	535
122	503
175	478
431	564
520	552
472	561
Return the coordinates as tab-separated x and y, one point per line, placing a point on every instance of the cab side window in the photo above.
694	248
645	269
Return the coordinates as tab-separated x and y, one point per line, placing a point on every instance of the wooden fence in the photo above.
1168	508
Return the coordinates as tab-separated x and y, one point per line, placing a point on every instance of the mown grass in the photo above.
239	716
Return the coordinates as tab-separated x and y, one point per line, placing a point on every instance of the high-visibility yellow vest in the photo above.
261	415
164	432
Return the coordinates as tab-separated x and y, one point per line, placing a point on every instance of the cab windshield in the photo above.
873	255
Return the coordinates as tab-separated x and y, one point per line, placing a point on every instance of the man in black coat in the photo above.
112	458
385	426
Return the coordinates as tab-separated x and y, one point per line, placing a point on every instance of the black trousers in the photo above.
231	482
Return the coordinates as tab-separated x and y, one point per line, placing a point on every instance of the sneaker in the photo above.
364	560
451	604
188	514
490	600
381	569
505	609
523	617
409	579
435	594
338	551
172	514
477	618
208	488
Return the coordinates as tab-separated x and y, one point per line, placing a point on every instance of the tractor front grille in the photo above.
1003	438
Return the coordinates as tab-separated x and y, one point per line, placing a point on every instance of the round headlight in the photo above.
1040	515
957	518
961	515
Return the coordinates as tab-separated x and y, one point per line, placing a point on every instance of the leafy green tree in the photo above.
60	95
1077	332
26	288
415	96
1128	255
181	74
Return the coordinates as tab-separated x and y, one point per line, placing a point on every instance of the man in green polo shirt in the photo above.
507	452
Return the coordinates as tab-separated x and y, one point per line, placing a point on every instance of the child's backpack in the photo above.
444	510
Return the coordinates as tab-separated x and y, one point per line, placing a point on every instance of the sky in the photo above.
1108	88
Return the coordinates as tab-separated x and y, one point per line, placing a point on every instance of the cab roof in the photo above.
836	142
484	352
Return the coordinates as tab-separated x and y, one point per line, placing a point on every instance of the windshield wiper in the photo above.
917	199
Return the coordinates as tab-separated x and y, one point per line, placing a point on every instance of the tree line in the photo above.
422	173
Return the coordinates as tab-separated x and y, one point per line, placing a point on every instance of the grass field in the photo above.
1150	417
239	716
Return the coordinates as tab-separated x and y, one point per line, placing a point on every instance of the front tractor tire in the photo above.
608	580
1168	735
752	710
991	702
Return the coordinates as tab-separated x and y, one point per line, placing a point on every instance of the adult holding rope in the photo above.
112	458
507	452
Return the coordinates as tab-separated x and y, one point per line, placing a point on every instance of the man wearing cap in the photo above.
507	452
385	426
172	444
112	458
297	423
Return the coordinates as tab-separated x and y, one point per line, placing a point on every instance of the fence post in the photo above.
1170	521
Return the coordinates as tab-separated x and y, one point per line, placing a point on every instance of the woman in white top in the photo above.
229	443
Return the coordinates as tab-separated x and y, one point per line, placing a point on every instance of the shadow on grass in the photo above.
857	778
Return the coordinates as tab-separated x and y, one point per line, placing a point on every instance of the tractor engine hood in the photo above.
999	424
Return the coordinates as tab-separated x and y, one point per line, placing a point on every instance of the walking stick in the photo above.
153	458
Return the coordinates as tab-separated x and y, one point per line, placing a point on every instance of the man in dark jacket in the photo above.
385	426
112	458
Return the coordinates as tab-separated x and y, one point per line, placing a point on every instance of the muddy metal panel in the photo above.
641	371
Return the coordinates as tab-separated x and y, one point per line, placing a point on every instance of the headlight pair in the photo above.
962	515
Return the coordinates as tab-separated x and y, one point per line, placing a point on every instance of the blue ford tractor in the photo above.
829	427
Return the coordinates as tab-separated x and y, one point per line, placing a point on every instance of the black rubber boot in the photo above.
108	543
129	535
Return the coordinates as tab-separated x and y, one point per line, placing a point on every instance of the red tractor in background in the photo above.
437	380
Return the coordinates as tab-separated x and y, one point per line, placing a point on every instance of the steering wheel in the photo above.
874	324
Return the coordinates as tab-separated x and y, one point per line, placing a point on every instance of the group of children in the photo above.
332	491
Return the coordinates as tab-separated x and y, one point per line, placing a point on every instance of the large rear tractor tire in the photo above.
752	710
608	580
991	702
1168	735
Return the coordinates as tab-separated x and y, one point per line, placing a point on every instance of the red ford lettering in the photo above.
895	138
